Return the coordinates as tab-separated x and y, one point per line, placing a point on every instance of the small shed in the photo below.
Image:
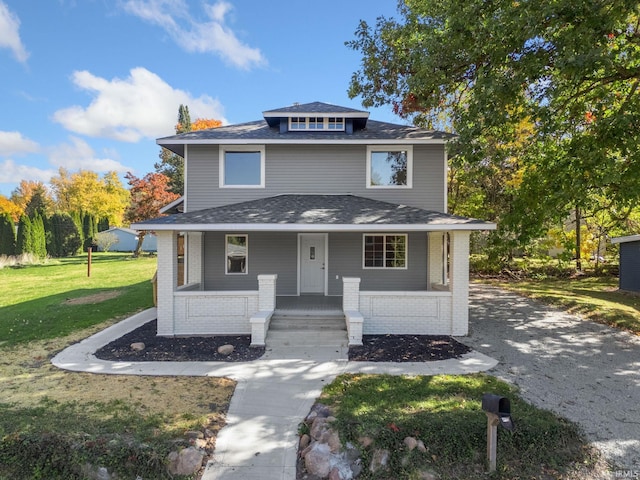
128	240
629	262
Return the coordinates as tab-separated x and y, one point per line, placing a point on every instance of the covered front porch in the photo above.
389	269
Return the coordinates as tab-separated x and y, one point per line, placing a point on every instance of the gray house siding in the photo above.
319	169
268	253
630	266
271	252
346	257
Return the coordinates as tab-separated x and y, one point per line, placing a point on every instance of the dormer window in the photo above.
316	123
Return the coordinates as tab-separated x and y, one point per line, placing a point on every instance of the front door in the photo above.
312	263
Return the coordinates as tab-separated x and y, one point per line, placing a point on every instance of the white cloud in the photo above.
142	105
10	172
9	35
78	155
13	143
209	36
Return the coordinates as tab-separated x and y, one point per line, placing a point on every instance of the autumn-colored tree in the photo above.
10	208
172	165
24	193
148	195
84	192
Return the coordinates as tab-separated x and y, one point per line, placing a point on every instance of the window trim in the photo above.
385	235
337	120
391	148
241	148
226	254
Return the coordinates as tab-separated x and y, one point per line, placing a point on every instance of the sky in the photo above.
91	84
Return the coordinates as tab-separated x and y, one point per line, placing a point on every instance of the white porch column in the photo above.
194	258
267	292
459	275
436	261
351	308
167	280
350	294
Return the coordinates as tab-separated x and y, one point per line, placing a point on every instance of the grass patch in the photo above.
445	413
37	300
53	422
594	298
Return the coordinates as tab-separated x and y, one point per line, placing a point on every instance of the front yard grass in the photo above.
53	421
591	297
445	413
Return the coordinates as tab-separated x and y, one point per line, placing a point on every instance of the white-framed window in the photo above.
390	166
316	123
236	254
242	166
384	250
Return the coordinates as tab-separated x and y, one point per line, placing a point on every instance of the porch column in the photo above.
459	275
351	309
436	260
267	292
167	280
194	258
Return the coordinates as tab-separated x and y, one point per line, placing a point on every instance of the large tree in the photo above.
148	195
86	193
172	165
570	69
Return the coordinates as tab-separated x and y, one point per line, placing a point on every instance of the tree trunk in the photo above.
578	240
138	250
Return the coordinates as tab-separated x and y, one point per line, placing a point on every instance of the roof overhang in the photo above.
629	238
315	228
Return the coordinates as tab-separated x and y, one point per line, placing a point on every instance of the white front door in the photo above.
312	263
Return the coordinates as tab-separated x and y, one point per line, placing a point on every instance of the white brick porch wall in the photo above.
208	313
167	280
416	313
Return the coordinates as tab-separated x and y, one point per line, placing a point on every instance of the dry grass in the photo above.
27	377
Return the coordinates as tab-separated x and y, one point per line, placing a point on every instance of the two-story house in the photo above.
313	203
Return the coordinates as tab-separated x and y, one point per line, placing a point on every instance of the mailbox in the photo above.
500	407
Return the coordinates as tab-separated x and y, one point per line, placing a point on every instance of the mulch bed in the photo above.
407	348
375	348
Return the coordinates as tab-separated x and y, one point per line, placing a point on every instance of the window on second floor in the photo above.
316	123
242	166
389	167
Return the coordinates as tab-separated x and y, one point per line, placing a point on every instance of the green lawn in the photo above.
445	412
595	298
36	301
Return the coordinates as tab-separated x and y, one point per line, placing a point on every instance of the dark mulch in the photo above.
375	348
407	348
178	349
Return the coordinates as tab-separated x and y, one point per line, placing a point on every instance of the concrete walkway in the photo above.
272	396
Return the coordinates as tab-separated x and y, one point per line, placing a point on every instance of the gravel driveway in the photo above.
586	372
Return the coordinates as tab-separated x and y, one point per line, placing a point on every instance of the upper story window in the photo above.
316	123
242	166
389	166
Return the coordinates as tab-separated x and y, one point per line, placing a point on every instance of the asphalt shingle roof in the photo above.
313	210
315	107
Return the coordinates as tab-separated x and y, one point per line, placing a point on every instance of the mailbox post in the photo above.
498	410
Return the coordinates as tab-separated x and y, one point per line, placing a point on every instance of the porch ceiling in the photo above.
313	213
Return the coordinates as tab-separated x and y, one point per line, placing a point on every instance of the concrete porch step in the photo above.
309	338
306	323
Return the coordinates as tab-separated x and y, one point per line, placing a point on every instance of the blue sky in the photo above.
90	84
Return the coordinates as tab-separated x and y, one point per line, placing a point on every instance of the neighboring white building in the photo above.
128	240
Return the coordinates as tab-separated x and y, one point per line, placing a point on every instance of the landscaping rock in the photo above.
186	462
365	441
137	346
411	443
380	460
226	349
318	460
421	447
304	441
